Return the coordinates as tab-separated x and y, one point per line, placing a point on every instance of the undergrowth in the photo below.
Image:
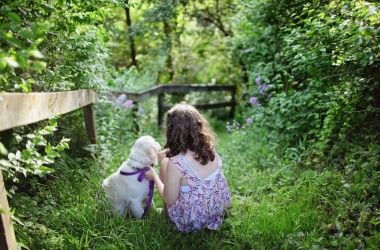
276	205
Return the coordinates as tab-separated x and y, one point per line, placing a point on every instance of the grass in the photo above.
275	206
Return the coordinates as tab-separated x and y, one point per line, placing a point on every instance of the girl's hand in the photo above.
161	154
150	174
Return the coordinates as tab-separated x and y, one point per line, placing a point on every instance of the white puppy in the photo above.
127	188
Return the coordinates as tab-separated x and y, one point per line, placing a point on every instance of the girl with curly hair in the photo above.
191	181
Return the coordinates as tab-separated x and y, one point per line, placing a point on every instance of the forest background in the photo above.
301	154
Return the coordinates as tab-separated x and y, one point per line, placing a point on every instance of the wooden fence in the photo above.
160	90
18	109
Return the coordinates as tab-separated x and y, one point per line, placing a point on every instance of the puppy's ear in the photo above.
152	154
146	149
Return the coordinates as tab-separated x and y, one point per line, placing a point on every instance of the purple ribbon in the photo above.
141	177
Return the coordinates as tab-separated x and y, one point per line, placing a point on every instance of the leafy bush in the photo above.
322	88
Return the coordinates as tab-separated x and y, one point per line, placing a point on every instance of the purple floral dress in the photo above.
203	202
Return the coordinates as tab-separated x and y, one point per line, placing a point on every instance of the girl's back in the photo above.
204	194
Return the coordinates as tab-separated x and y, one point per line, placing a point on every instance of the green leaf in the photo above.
3	150
36	53
39	66
53	122
26	88
14	17
26	33
3	63
48	7
5	163
12	62
374	222
26	154
15	42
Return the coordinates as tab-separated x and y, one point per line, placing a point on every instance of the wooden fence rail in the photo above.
160	90
18	109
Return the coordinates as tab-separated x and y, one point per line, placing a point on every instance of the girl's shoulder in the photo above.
176	161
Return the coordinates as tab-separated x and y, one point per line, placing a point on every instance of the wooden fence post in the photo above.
233	103
7	234
89	120
160	104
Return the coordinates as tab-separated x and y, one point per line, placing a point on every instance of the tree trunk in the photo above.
169	60
130	36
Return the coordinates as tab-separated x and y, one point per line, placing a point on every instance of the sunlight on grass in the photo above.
275	206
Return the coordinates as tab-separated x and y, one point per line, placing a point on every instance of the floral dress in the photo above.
203	202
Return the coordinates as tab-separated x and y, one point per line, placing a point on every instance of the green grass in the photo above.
275	206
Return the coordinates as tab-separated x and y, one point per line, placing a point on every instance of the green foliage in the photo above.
55	46
323	89
37	155
178	42
51	47
301	159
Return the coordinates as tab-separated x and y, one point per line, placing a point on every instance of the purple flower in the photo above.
228	127
263	88
120	99
96	106
253	100
258	80
141	111
249	120
128	104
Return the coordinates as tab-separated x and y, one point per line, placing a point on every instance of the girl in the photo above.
192	183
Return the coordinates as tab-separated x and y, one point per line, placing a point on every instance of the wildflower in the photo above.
96	106
228	127
263	88
120	99
243	132
236	125
141	111
128	104
258	80
253	100
249	120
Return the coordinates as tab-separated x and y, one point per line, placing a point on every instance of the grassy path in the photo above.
274	207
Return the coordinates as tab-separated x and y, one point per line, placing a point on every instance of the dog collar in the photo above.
141	173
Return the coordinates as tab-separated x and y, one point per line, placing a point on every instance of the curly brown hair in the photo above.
187	129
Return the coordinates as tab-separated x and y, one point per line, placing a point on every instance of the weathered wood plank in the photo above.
161	109
89	120
18	109
141	96
7	235
196	87
171	88
206	106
